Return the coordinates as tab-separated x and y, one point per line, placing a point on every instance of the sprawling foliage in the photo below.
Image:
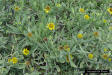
54	37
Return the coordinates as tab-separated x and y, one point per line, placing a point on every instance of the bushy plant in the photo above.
54	37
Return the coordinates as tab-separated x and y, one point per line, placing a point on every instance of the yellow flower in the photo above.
67	58
90	56
109	10
110	28
81	10
9	60
60	47
16	8
51	26
25	51
79	36
47	9
58	5
14	60
105	56
27	63
109	59
67	48
45	39
105	49
29	34
86	17
104	21
96	34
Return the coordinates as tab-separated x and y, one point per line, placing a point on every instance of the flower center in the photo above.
26	51
105	56
29	34
51	25
48	8
111	9
17	8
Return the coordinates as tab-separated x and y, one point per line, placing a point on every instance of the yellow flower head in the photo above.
58	5
110	28
29	34
51	26
96	34
81	10
79	36
90	56
16	8
14	60
109	10
86	17
67	48
45	39
104	21
105	49
47	9
60	47
25	51
27	63
105	56
109	59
